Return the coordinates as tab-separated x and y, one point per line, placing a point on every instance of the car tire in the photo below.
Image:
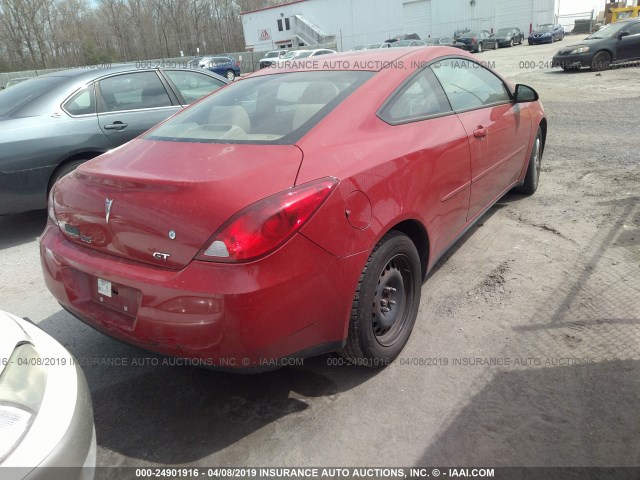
479	48
511	43
385	304
532	177
495	45
231	75
65	169
601	61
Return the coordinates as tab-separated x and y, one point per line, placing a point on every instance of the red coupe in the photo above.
293	212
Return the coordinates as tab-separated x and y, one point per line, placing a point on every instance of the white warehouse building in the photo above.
348	23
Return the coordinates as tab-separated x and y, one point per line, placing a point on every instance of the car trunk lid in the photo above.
159	202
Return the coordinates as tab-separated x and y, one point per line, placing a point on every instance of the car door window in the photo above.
133	91
469	85
421	98
193	85
82	103
634	29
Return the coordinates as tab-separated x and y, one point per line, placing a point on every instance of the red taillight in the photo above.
267	224
51	212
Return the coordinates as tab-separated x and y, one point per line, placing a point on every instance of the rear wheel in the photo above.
532	177
231	75
386	302
495	45
64	170
511	43
601	61
479	48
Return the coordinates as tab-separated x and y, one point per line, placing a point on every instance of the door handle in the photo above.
480	133
116	126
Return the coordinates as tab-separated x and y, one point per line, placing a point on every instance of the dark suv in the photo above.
615	43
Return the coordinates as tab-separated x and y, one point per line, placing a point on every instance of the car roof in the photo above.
89	74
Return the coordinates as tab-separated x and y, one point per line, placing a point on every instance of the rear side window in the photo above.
24	93
193	85
469	85
82	103
276	109
217	61
133	91
419	99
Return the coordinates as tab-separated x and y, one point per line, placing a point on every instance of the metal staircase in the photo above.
307	33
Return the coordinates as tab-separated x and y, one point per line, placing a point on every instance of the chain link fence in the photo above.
248	63
578	23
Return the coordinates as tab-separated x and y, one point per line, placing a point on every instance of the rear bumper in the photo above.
294	301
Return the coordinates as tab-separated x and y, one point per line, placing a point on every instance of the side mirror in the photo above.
621	35
525	94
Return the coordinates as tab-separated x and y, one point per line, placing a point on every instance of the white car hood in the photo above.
11	335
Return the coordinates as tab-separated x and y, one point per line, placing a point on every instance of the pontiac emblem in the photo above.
107	208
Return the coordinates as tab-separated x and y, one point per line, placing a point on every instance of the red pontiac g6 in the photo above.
293	212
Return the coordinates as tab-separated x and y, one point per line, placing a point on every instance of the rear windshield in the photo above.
270	109
469	35
504	31
21	94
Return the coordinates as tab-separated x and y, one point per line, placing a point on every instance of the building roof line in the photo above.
273	6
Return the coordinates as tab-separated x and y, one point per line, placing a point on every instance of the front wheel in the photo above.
601	61
386	301
231	75
495	46
532	177
511	43
479	48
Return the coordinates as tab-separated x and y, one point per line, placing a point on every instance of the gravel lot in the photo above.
548	287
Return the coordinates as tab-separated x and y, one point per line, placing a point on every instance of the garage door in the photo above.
416	17
514	13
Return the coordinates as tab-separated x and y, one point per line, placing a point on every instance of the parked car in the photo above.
292	188
458	33
440	42
408	43
51	124
295	55
223	66
508	37
357	48
404	36
478	41
373	46
616	43
194	62
46	414
271	57
15	81
547	33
